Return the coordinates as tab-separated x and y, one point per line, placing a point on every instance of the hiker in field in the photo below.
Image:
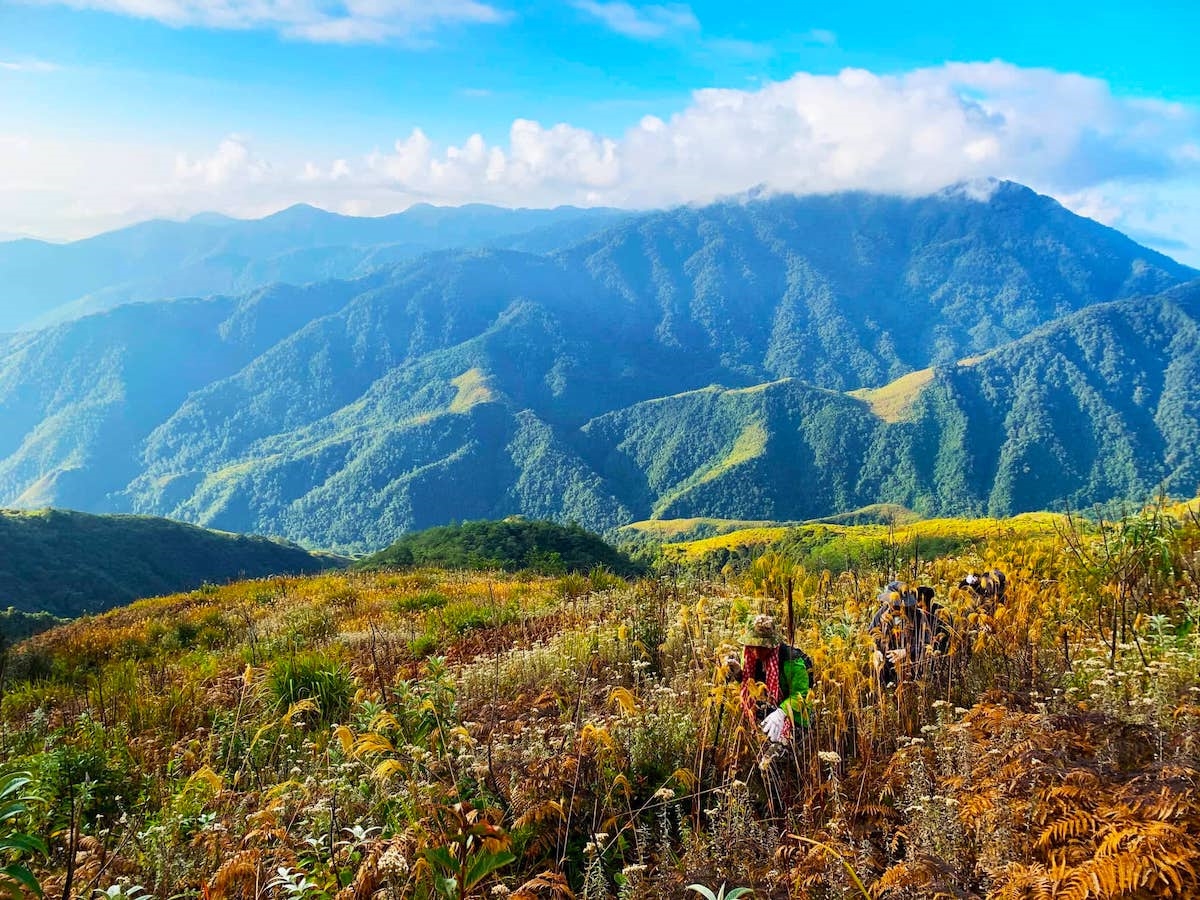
911	633
987	587
784	673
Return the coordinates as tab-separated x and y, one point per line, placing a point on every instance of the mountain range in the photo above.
777	358
211	254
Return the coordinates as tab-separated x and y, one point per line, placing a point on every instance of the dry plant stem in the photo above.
859	886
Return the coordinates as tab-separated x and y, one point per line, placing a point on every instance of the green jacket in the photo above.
793	684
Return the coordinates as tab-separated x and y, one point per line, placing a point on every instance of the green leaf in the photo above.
442	859
484	864
14	877
703	891
22	843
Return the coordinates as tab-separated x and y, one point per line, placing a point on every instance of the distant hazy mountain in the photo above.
578	384
44	283
70	563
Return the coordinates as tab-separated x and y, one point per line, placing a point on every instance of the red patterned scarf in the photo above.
751	657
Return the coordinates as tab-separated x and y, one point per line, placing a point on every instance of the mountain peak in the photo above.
210	218
299	214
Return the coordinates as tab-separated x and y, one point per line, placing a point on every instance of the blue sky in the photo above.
115	110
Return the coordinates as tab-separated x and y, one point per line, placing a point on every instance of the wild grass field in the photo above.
434	734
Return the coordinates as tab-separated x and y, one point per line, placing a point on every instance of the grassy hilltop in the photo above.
379	733
69	563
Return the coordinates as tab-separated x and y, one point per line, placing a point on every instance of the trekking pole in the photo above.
791	620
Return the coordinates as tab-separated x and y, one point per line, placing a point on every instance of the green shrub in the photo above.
572	586
423	645
308	626
16	845
462	616
419	602
312	676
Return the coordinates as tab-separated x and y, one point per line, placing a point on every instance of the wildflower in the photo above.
500	890
393	862
664	793
828	756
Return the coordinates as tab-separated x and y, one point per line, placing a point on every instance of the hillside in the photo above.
70	563
510	545
843	547
348	733
686	364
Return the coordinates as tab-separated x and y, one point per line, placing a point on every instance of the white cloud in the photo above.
1128	162
320	21
38	66
641	22
232	162
910	133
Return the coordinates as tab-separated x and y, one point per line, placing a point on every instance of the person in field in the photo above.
911	632
775	680
987	587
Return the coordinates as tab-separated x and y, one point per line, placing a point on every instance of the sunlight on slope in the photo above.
759	388
674	529
1024	525
872	514
894	402
746	537
749	445
473	389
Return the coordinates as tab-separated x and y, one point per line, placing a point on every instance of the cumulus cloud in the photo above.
910	133
231	162
320	21
1118	159
641	22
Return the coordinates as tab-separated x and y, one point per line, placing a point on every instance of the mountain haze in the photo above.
213	254
694	362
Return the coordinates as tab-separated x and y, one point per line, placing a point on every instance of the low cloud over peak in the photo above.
907	133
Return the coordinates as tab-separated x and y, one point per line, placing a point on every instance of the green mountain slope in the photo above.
854	290
1101	405
579	385
70	563
1104	404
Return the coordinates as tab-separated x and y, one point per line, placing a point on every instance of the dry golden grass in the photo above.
894	401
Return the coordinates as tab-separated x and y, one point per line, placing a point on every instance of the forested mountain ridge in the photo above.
583	384
71	563
851	290
1100	405
213	254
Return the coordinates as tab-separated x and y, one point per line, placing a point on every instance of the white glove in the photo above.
877	660
774	725
897	656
